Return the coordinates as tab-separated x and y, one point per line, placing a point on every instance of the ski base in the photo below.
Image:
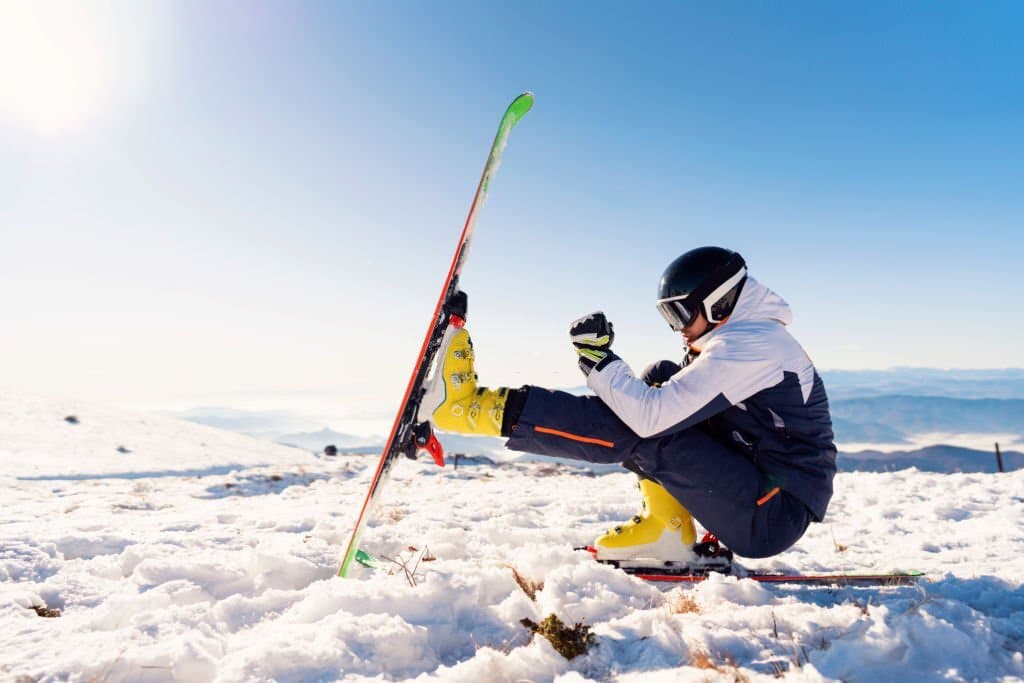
827	579
409	434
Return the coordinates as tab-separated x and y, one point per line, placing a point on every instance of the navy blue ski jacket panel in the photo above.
788	439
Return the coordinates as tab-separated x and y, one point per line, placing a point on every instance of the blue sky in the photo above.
200	202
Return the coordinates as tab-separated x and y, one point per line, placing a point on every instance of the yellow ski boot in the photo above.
454	402
663	532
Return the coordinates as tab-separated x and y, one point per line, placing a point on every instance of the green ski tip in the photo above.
359	557
519	107
367	560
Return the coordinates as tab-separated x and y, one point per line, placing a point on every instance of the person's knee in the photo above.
658	373
758	548
754	545
777	528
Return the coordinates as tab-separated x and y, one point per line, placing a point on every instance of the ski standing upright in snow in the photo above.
408	434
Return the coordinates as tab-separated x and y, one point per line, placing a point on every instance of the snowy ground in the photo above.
202	555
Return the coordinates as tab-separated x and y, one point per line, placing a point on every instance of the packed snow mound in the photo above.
48	438
230	576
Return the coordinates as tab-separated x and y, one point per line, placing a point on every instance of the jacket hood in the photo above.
757	302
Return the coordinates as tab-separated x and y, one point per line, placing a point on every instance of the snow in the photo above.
203	555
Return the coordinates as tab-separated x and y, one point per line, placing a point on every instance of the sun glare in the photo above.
58	63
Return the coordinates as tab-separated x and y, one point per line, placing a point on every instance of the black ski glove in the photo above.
592	335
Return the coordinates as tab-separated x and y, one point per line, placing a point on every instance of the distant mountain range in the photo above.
929	459
263	424
1008	383
318	440
894	419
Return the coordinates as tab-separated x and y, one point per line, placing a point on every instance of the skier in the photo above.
738	435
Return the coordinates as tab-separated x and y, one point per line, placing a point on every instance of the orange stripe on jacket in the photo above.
768	496
574	437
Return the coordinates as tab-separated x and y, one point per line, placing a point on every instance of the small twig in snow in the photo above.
840	548
531	588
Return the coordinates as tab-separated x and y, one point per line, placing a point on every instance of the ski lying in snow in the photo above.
665	574
826	579
668	573
408	435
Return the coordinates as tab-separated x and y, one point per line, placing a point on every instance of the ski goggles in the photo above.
677	311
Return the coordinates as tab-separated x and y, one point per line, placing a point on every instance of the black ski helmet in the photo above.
705	280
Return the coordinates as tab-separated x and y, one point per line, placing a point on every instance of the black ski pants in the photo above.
720	486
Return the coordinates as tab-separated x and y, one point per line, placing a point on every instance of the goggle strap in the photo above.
721	291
